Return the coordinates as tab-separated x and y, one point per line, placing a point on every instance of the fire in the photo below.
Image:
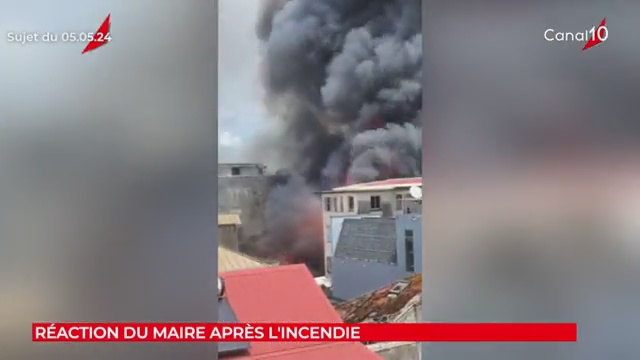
349	180
310	225
376	123
306	230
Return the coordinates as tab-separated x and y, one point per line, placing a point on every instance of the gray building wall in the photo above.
409	222
241	170
229	236
352	278
333	234
246	196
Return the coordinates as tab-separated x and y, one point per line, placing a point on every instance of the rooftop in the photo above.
229	260
382	185
323	351
286	294
229	219
382	304
369	239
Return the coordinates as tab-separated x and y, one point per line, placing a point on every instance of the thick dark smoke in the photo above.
342	80
294	227
335	71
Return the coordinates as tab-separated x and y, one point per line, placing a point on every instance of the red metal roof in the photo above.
395	182
286	294
381	185
323	351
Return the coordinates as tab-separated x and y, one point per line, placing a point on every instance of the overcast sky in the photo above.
241	114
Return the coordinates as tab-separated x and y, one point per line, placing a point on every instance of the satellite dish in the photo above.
416	192
220	288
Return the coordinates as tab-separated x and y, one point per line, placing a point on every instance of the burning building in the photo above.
343	87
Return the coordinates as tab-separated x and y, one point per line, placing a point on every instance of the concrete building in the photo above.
243	190
409	242
374	199
398	302
241	169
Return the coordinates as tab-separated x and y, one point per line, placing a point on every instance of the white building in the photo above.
373	199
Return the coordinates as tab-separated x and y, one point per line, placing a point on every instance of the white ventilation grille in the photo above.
397	289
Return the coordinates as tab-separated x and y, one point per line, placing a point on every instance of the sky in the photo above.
240	112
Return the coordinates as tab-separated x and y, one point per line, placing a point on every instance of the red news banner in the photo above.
211	332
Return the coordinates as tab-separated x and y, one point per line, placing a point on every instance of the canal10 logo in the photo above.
591	37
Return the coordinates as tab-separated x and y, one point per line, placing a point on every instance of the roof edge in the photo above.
248	257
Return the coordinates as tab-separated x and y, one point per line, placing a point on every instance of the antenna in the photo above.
416	192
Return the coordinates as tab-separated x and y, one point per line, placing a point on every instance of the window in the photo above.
235	171
341	204
399	202
327	204
408	235
351	203
335	204
408	246
375	202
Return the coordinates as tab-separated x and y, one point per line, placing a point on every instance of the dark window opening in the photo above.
399	202
327	204
409	255
235	171
352	204
375	202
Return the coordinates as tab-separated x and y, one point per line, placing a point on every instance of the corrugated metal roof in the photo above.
232	261
323	351
381	185
378	304
229	219
369	239
286	294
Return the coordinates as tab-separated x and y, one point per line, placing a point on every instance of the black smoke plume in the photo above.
342	81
